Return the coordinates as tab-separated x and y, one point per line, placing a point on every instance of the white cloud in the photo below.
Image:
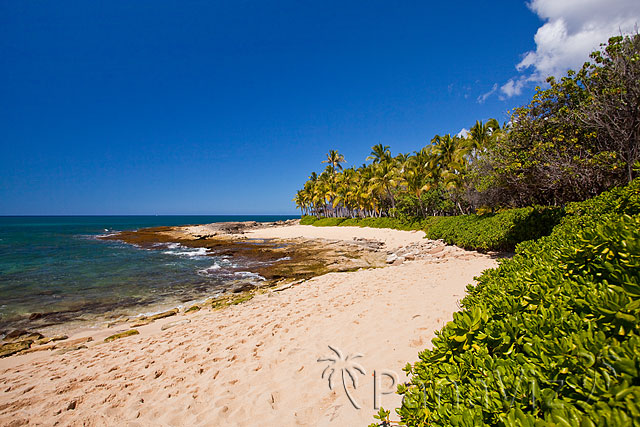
463	133
514	86
572	29
484	96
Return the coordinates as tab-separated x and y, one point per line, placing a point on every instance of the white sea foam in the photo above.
220	268
113	233
186	252
209	270
249	275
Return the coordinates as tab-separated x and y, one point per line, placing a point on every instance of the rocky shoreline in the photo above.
285	262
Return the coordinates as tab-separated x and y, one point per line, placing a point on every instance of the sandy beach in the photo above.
256	363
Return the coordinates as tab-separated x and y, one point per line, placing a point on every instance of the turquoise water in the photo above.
55	270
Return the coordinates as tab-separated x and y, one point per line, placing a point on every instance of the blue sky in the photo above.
158	107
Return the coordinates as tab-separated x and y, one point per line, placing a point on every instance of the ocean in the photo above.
55	270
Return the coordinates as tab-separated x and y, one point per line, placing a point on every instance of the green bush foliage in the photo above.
328	222
501	231
488	232
384	222
551	337
308	219
617	200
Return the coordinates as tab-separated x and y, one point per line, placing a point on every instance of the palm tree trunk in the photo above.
393	202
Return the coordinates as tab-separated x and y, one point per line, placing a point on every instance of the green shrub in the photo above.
617	200
308	219
328	222
383	222
551	337
501	231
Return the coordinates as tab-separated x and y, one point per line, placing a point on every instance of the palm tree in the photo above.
368	203
303	200
342	200
450	160
402	159
311	187
421	161
385	179
418	180
482	135
327	190
335	160
444	150
380	153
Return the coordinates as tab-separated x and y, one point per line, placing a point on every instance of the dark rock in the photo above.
14	347
21	335
49	339
163	314
15	334
71	406
242	287
35	316
128	333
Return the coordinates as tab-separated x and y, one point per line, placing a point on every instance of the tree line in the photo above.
575	139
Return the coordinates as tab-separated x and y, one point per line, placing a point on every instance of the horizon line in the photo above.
68	215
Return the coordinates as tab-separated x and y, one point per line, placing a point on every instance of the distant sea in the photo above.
56	271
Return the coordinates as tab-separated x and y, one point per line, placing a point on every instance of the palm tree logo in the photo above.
347	366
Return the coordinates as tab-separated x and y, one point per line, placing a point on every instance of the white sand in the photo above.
393	239
254	363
